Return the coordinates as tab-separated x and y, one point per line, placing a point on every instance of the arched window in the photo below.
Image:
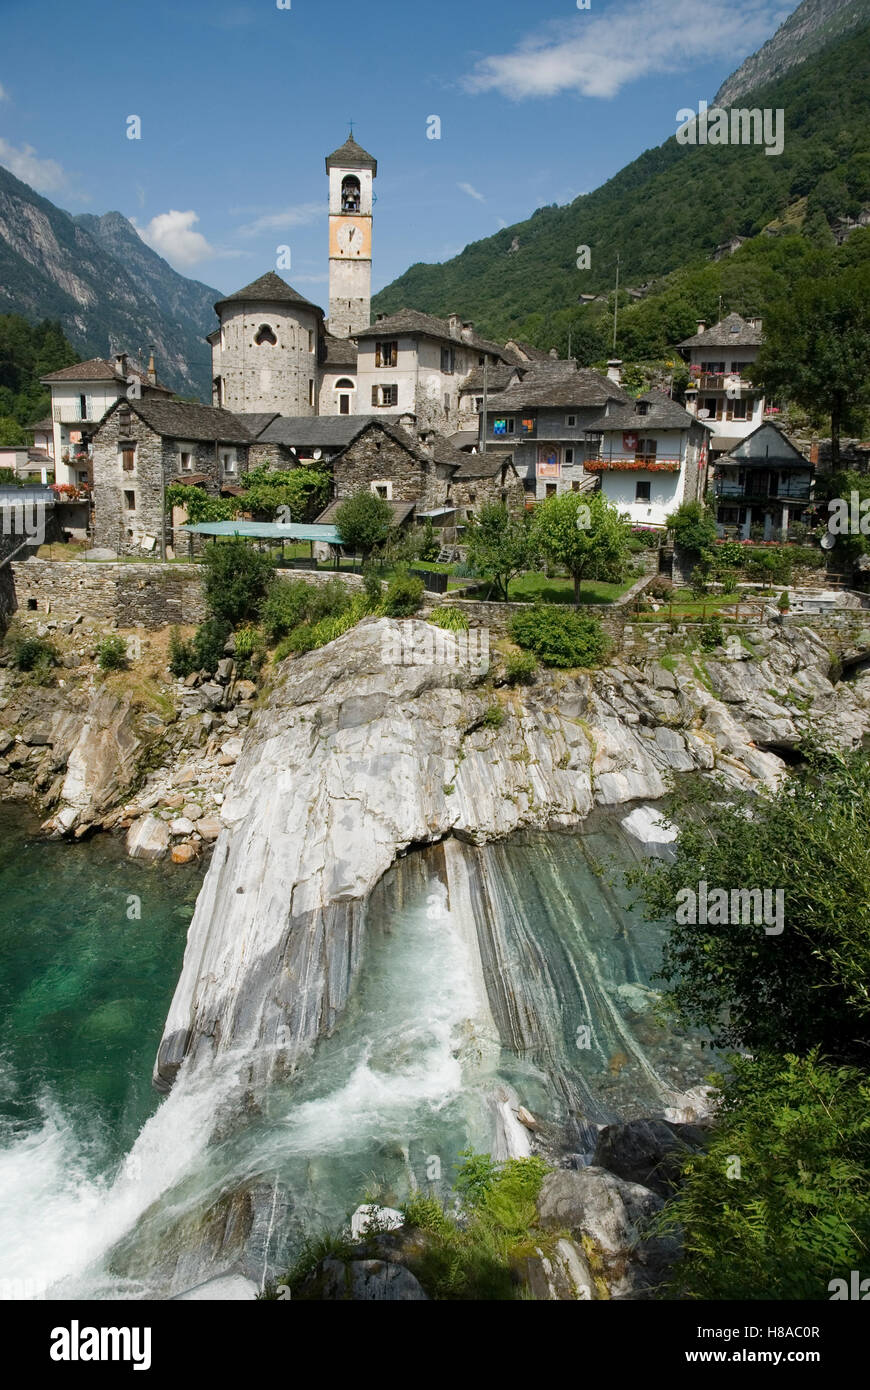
350	193
344	386
264	334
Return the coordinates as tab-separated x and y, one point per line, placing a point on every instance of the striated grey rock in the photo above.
649	1152
368	1281
105	750
351	759
148	838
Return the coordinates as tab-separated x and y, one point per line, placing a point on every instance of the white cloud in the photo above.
310	279
4	95
299	216
45	175
597	55
172	236
471	191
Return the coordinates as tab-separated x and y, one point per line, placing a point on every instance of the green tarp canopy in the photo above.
267	531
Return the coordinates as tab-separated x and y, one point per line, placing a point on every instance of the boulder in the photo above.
182	826
209	827
183	853
649	1152
148	838
367	1281
192	812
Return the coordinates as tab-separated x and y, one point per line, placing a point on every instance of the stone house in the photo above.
144	445
719	392
763	481
652	455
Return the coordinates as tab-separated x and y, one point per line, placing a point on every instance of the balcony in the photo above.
630	463
760	490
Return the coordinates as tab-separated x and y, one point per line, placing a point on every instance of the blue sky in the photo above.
240	101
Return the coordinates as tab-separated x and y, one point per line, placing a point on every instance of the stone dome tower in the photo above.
266	353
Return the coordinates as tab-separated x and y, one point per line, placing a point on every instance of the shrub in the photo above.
290	604
182	657
237	580
783	603
363	521
694	527
559	636
250	651
730	555
404	596
34	654
112	653
430	545
373	587
449	618
301	639
209	642
494	717
769	566
711	635
660	587
520	668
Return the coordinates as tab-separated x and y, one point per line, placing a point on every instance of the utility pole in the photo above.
616	304
485	407
569	344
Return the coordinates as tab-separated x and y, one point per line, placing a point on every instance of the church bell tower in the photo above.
351	172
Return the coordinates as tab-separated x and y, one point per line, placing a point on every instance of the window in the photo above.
344	405
130	501
645	451
527	426
570	421
709	404
344	383
575	486
713	368
311	391
448	360
481	361
552	489
511	426
264	335
569	455
385	395
592	445
641	407
186	461
350	193
83	407
216	391
228	459
740	409
128	457
387	353
478	404
383	489
642	492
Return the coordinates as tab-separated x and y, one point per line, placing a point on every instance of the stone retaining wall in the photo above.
113	593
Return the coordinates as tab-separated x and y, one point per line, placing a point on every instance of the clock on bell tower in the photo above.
351	172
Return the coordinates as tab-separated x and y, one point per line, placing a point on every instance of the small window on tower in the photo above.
263	335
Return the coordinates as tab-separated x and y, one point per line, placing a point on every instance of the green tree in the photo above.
694	527
238	578
816	349
584	533
363	522
501	545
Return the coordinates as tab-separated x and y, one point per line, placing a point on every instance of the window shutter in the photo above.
377	358
374	395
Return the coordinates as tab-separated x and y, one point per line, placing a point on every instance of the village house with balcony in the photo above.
652	456
764	481
80	397
719	392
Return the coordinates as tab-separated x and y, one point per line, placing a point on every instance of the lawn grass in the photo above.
534	586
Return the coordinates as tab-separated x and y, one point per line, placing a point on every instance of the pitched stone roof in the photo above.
662	413
732	331
766	446
482	465
517	351
574	386
414	321
340	352
497	378
180	420
314	431
42	425
102	369
401	511
351	154
268	289
256	421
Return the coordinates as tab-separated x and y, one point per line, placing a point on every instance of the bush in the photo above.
494	717
711	635
730	555
373	587
34	654
769	566
559	636
404	596
182	657
290	604
250	651
237	580
430	545
112	653
363	521
209	642
661	587
694	527
520	668
798	1215
449	618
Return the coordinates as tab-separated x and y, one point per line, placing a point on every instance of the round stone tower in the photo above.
265	354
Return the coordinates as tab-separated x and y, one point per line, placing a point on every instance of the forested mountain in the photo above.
671	208
808	29
27	353
106	287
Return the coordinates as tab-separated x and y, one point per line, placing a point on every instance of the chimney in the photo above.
691	394
554	352
121	364
814	453
614	370
702	325
152	370
455	325
467	331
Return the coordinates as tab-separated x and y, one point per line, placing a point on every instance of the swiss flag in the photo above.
629	442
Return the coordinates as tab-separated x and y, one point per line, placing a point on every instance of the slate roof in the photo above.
268	289
340	352
663	413
42	425
732	331
401	511
256	421
414	321
102	369
314	431
517	351
497	378
766	446
351	153
481	465
179	420
579	387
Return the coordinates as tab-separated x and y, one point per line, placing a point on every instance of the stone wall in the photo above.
122	595
376	457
